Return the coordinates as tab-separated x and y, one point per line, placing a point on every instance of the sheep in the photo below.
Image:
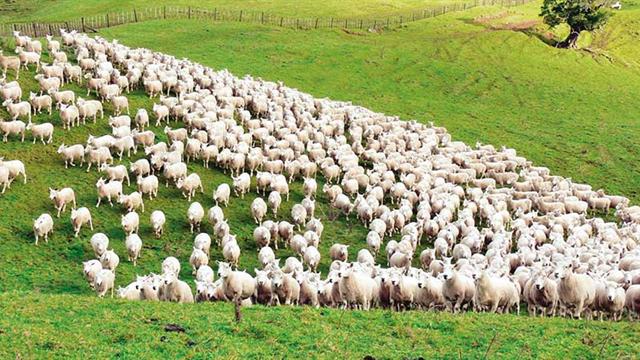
222	194
48	83
70	115
141	119
42	131
310	187
72	153
174	172
162	113
118	121
13	91
9	62
364	256
115	173
99	244
131	292
175	290
266	256
458	290
130	223
119	103
339	252
15	127
133	243
374	241
198	258
89	108
28	57
258	210
61	198
90	269
215	215
195	214
632	301
43	227
171	265
299	215
38	103
104	281
52	45
176	135
241	184
109	190
311	258
541	293
140	167
189	185
152	87
16	168
80	217
132	202
610	301
148	185
575	290
285	289
262	236
430	292
236	285
274	201
494	293
205	273
66	97
231	253
157	222
110	260
403	290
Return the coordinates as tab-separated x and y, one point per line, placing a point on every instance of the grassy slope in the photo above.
569	110
31	328
447	69
55	10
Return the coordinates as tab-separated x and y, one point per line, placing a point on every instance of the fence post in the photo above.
281	19
240	15
35	30
297	23
189	13
108	25
400	19
346	23
135	15
316	23
360	23
262	18
331	25
50	30
374	24
82	19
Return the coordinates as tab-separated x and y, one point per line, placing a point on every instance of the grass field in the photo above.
574	111
115	329
56	10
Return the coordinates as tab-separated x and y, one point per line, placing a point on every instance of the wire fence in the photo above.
94	23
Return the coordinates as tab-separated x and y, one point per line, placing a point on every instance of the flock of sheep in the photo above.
504	232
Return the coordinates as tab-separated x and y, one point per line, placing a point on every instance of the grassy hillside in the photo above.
32	325
56	10
574	111
491	79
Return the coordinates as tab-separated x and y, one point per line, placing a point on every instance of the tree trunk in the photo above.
571	40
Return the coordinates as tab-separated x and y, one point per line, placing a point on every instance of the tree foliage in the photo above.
579	15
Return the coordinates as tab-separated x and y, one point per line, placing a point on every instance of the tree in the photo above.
580	15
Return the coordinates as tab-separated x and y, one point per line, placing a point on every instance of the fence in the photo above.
94	23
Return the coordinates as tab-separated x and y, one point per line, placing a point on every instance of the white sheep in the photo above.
42	131
157	222
15	127
198	258
90	269
99	244
222	194
130	222
109	190
80	217
133	243
72	153
43	227
132	202
258	209
104	281
176	290
148	185
110	260
61	198
195	214
241	184
189	185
